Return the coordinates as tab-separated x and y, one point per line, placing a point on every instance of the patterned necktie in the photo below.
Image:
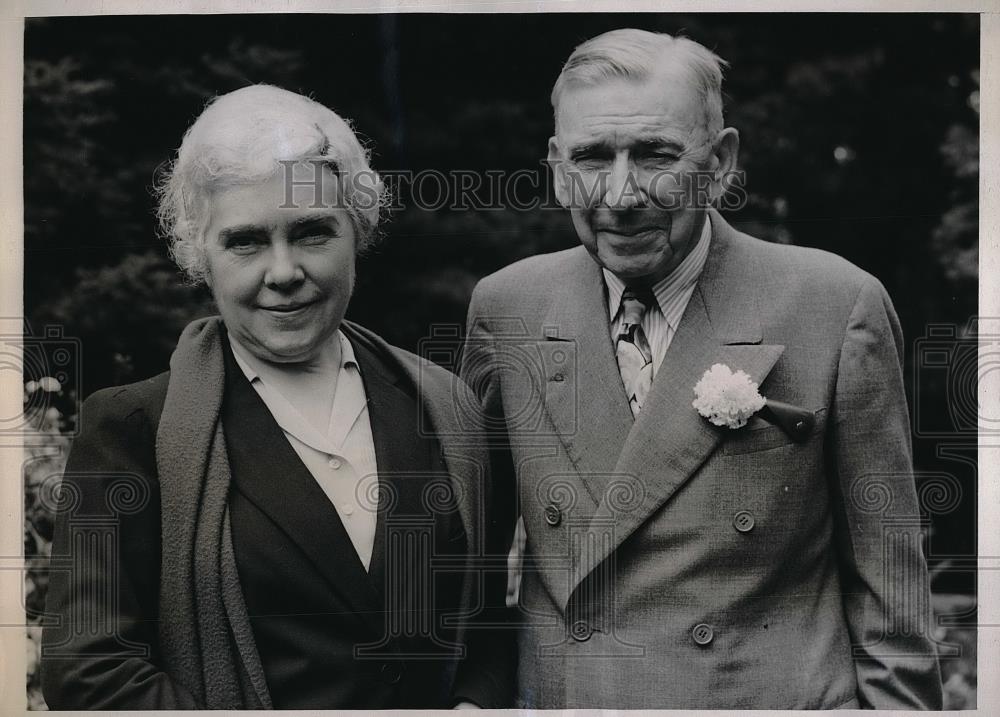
635	359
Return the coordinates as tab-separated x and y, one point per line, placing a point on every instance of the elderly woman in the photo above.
294	506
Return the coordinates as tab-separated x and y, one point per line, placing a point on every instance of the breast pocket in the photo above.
760	435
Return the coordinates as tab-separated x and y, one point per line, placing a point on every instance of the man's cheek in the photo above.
675	191
584	190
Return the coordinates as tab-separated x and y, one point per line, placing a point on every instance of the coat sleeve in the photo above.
487	678
99	650
877	518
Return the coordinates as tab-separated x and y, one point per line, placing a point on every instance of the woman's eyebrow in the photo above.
240	230
316	220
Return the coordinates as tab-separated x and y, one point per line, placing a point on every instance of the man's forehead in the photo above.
645	112
668	91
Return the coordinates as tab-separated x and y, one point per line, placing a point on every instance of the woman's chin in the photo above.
285	349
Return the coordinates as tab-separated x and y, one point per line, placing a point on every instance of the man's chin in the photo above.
631	272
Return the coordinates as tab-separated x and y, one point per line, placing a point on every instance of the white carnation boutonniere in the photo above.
727	398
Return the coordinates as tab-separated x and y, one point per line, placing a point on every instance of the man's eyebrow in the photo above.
589	148
647	144
660	143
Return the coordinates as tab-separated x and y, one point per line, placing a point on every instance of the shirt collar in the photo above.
349	401
667	289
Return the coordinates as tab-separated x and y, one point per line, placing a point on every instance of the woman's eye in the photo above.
316	237
242	244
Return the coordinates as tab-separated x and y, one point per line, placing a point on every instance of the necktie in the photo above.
635	359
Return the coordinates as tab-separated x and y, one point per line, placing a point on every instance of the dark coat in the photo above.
278	610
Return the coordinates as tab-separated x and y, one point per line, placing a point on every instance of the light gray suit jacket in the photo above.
674	564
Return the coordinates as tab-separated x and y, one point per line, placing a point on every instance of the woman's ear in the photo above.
207	274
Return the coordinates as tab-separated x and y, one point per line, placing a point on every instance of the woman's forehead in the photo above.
293	185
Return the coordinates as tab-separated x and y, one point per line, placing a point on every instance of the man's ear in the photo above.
559	180
724	161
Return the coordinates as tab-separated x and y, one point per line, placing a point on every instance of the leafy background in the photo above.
860	135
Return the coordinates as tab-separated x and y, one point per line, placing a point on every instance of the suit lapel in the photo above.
590	384
268	471
670	441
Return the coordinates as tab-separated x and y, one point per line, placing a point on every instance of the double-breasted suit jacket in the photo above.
671	563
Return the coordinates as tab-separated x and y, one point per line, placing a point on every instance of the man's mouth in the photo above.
628	231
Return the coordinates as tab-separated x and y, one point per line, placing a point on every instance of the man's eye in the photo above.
657	159
590	162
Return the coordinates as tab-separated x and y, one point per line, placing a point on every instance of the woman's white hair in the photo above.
637	54
244	137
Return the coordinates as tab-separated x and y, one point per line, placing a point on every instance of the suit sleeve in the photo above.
487	678
100	650
877	520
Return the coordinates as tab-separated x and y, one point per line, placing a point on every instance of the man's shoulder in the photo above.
536	273
787	263
535	267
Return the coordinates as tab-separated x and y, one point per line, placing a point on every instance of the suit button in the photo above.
702	634
390	673
581	631
744	521
553	516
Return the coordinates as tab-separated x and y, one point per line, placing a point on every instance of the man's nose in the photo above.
623	190
283	269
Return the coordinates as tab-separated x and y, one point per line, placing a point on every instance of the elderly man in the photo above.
708	432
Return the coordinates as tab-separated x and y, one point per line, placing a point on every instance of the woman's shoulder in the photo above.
122	403
116	435
418	369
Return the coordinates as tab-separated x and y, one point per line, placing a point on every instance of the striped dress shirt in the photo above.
672	293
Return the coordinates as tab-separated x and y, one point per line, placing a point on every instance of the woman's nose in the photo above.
283	268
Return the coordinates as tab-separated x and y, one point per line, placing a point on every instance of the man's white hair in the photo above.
243	137
637	54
